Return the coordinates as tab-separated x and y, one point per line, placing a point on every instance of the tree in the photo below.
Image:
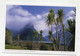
71	29
60	16
18	40
53	40
35	35
57	37
50	35
8	38
50	20
41	36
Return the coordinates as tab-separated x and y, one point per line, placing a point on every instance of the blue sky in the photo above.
43	9
17	16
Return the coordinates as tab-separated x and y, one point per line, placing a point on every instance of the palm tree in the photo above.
41	36
8	37
50	35
71	29
53	40
35	35
18	39
60	16
50	20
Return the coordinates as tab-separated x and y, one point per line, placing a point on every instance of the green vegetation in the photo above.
50	20
71	29
41	36
44	47
35	35
7	46
29	46
18	39
60	16
8	37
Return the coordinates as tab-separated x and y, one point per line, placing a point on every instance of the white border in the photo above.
40	4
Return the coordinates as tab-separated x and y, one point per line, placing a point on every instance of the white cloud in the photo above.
17	18
39	16
40	25
22	12
71	13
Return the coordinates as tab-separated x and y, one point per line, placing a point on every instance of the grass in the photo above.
7	46
29	45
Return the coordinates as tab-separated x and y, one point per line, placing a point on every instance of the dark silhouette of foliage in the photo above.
43	47
8	37
71	29
41	36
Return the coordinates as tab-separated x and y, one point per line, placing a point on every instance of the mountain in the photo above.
27	32
67	36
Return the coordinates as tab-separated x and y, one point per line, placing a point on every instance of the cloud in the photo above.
40	25
71	13
38	16
17	18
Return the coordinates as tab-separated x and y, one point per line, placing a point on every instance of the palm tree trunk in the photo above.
54	47
53	38
52	32
64	37
57	37
51	28
60	37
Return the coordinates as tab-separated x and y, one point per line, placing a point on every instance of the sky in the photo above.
17	16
